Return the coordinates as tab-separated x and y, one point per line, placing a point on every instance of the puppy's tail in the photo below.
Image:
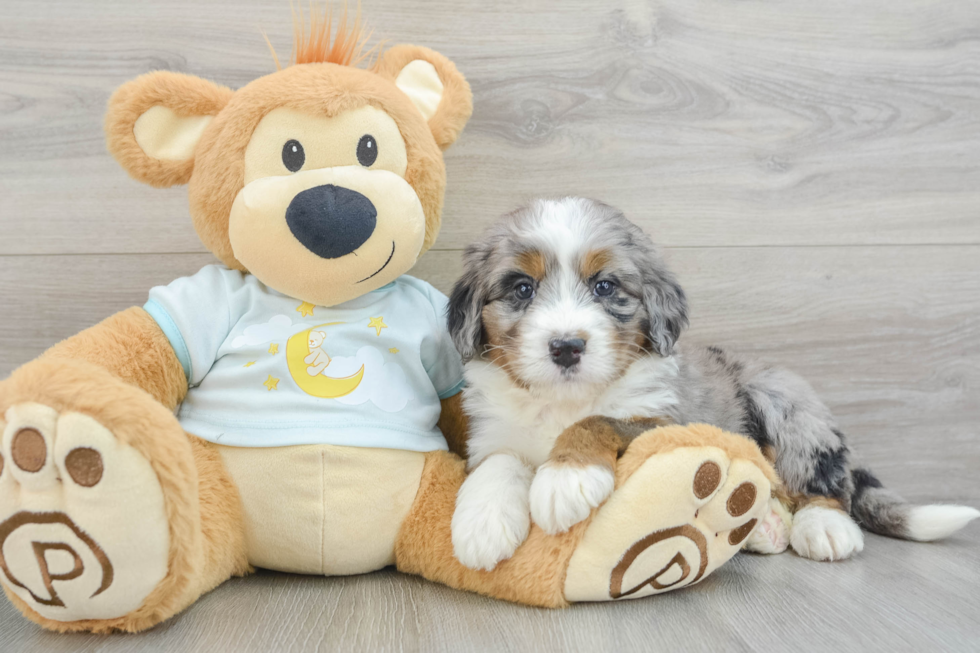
882	511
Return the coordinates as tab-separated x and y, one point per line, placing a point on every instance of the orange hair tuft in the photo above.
315	45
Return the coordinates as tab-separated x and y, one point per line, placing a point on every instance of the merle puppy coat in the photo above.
566	310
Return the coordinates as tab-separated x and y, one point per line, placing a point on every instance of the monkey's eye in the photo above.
367	150
604	288
293	156
524	291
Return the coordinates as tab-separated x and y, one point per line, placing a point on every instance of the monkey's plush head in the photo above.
323	180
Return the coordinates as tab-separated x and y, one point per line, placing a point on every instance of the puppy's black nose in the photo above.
566	353
331	221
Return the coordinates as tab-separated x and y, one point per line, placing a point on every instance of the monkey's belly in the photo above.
323	509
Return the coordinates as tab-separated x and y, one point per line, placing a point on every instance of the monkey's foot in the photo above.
83	529
674	518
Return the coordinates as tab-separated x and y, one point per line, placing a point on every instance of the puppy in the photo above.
566	311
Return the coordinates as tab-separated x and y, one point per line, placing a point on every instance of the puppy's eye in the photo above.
524	291
293	156
367	150
604	288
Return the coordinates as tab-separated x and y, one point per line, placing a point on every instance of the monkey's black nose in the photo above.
566	353
331	221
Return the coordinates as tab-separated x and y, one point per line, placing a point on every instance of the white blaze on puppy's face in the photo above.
562	260
563	311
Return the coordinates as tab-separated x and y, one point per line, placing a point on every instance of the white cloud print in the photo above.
279	327
384	385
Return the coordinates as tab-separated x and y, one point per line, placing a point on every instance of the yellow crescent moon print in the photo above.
327	387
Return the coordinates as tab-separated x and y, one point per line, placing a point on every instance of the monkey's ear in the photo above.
434	85
155	121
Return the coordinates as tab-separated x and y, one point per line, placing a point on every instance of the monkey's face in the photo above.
323	180
325	213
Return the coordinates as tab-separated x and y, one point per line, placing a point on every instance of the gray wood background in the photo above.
811	168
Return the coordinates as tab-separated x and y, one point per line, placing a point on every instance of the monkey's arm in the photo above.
131	346
454	424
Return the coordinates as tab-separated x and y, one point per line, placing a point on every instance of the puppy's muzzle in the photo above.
331	221
568	352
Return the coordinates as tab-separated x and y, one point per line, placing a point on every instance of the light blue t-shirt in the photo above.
267	370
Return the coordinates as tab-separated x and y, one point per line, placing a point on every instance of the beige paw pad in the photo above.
675	520
83	530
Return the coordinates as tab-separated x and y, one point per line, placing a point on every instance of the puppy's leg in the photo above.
578	475
823	530
491	518
787	419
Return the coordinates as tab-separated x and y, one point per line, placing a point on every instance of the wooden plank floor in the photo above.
811	168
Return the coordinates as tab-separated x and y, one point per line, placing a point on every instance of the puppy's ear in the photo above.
466	305
663	298
155	121
466	317
666	306
434	85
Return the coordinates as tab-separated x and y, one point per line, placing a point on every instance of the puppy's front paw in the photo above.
563	495
491	518
484	533
825	534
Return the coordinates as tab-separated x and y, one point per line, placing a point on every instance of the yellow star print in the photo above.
272	383
377	323
305	309
249	364
274	348
393	350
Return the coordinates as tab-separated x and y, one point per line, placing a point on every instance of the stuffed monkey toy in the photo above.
290	407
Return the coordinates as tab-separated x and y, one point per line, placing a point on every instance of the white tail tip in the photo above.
928	523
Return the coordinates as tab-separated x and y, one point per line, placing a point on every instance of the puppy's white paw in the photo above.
491	518
564	495
485	535
771	535
825	534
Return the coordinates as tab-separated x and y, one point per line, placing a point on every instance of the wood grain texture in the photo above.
904	597
811	169
710	123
